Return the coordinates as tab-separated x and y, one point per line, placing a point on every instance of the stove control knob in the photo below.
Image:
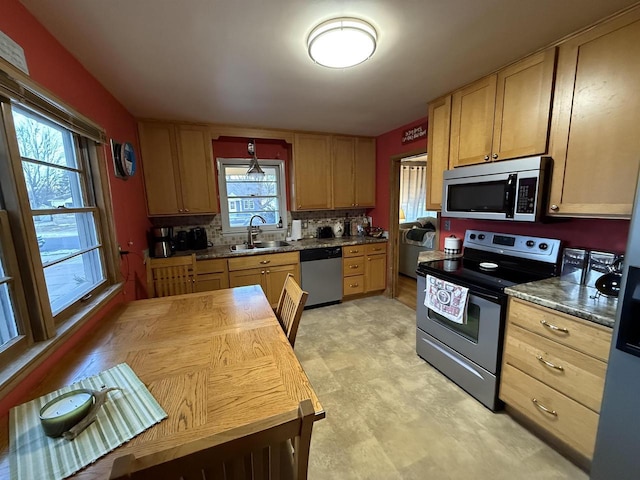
543	246
472	236
530	243
481	236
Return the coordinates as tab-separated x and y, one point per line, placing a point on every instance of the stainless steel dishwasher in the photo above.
321	275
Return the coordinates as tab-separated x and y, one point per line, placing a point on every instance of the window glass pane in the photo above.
63	234
252	195
52	187
41	140
71	279
8	327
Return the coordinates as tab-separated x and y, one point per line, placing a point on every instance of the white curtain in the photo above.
413	191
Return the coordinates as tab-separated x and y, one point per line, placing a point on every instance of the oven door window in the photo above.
468	330
478	197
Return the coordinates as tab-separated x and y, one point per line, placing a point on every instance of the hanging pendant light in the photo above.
254	167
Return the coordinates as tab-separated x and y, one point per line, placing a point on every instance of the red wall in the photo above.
54	68
390	145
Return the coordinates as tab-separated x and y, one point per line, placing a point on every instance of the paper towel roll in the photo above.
296	229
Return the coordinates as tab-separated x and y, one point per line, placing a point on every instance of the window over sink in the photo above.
242	195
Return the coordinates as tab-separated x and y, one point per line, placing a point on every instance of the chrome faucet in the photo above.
250	239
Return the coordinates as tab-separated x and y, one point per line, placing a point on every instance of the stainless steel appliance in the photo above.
508	190
616	452
161	244
321	275
470	354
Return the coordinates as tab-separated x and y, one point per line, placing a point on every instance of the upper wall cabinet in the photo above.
178	169
505	115
333	172
595	141
354	172
437	149
311	189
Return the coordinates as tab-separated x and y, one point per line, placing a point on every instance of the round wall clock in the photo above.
128	159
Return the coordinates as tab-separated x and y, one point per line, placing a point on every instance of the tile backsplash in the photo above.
310	223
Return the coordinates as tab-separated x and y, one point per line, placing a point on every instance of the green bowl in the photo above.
65	411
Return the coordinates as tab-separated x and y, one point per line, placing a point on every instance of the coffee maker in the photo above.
161	244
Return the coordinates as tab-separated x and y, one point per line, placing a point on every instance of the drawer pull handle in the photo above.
354	266
353	285
551	326
354	251
549	364
543	408
264	262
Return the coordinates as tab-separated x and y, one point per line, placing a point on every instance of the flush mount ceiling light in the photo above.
342	42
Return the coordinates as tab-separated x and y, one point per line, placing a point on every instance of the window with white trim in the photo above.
242	195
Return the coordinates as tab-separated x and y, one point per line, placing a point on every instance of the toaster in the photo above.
197	239
325	232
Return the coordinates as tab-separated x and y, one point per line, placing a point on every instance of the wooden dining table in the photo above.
213	361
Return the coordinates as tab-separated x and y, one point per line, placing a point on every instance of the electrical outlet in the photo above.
305	224
447	225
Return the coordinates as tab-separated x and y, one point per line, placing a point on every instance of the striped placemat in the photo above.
126	413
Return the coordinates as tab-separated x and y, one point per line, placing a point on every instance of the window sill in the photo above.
17	370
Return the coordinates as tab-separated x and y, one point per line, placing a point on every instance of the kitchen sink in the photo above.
270	244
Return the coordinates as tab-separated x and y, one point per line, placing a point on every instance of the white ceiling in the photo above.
245	61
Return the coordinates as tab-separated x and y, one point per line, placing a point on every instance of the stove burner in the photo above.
488	265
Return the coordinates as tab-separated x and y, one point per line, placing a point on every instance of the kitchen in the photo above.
130	203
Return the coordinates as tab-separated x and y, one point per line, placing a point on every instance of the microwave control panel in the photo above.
526	195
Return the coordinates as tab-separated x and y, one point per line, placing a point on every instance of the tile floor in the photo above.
390	415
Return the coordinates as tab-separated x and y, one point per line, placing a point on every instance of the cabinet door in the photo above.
196	169
275	277
311	172
160	166
472	122
523	107
375	277
365	168
254	276
343	172
596	128
437	149
211	281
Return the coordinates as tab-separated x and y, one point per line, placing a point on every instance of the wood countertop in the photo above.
213	360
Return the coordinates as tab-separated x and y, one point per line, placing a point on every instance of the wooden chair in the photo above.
258	451
171	276
290	307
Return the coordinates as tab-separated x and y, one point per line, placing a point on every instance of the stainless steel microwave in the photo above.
506	190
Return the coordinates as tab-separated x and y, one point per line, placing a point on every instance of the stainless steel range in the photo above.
468	350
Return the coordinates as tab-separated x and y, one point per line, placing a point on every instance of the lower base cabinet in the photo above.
211	275
268	271
364	268
553	372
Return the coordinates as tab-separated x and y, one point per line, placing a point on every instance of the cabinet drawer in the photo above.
353	251
352	266
353	285
572	423
258	261
576	375
584	336
375	248
211	281
218	265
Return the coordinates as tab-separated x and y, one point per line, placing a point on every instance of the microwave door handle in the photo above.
510	195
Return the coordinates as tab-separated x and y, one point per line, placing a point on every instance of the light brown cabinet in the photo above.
595	141
268	271
364	268
505	115
311	189
553	372
347	163
211	275
178	169
354	172
437	149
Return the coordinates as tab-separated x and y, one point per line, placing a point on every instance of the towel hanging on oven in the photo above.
447	299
